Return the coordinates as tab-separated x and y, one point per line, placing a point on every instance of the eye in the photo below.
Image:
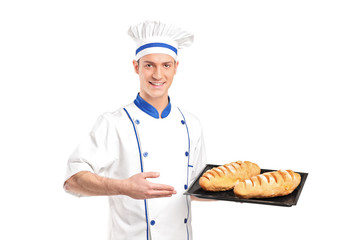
166	65
148	65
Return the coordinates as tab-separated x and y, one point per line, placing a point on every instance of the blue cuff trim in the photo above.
149	45
150	110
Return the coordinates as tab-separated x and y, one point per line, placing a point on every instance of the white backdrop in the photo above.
274	82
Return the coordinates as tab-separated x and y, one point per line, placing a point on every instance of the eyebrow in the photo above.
160	63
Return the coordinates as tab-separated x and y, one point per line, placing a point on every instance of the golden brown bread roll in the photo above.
224	177
267	185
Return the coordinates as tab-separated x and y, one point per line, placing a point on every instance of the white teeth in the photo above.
157	84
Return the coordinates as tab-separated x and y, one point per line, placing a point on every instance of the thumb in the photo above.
151	174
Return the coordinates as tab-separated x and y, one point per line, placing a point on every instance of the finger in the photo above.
151	174
160	194
162	187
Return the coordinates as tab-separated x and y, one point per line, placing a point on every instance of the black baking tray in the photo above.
285	201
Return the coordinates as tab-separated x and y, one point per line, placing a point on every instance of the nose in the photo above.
157	73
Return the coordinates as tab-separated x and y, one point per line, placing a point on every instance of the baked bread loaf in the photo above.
224	177
267	185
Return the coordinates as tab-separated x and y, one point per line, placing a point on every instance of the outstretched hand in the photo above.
140	188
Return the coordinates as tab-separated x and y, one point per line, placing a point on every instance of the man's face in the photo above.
156	73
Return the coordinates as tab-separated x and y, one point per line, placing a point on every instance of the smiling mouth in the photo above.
157	83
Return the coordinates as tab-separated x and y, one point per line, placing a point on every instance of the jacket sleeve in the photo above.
94	154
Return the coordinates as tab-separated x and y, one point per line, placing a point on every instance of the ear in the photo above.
176	66
136	66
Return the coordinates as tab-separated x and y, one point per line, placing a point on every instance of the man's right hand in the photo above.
138	187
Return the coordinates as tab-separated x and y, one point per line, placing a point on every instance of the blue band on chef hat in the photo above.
157	44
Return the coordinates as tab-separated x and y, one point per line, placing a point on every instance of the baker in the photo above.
146	154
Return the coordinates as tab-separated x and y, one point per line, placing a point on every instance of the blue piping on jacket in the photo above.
142	170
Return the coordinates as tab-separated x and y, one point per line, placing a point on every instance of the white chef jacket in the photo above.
134	139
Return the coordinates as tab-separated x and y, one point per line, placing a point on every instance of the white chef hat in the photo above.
157	37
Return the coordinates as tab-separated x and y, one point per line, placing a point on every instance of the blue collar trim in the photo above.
150	110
